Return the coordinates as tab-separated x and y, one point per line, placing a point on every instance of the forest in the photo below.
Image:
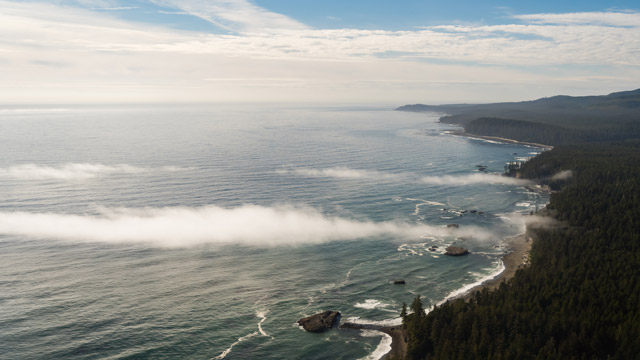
557	120
579	297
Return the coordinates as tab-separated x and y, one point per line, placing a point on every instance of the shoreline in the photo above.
518	246
518	257
396	332
499	139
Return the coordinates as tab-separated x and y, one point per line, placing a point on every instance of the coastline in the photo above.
396	332
500	139
517	257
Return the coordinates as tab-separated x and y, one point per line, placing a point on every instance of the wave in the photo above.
188	226
370	304
241	339
75	171
263	316
383	348
387	322
465	289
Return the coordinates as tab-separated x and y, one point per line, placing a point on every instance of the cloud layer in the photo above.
451	180
472	179
184	227
275	58
74	171
342	172
235	15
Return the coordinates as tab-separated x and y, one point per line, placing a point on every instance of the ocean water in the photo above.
206	232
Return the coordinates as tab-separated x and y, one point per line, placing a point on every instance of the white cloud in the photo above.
74	171
184	227
631	19
235	15
471	179
109	60
374	175
342	172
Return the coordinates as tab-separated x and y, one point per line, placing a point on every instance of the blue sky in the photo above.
375	51
369	14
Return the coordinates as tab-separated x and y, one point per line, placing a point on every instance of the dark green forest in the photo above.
580	296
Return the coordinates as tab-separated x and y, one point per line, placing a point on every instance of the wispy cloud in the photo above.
235	15
184	227
124	60
74	171
116	8
631	19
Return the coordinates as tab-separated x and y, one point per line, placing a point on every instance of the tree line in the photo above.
579	298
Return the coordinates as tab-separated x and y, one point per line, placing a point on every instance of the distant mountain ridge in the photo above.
610	117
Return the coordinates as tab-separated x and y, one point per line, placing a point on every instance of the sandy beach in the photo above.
398	335
517	257
500	139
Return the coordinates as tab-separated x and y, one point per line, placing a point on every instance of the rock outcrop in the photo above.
320	322
456	251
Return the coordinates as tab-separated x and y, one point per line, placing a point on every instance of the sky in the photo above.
297	51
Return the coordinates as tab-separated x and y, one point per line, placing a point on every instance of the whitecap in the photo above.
465	289
383	348
241	339
263	316
386	322
371	304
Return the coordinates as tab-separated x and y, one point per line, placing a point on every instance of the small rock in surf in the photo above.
456	251
320	322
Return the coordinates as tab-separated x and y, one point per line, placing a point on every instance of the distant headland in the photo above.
557	120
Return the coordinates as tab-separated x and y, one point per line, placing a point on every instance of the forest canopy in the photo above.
580	296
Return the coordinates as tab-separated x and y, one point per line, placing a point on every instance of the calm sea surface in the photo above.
207	232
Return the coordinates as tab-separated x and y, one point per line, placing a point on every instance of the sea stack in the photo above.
320	322
456	251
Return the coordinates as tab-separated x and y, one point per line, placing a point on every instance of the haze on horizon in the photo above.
362	52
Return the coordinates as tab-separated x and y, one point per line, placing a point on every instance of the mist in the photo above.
472	179
563	175
453	180
75	171
342	172
187	226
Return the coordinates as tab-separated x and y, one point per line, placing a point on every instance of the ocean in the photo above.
206	232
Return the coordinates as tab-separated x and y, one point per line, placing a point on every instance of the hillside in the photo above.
610	117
